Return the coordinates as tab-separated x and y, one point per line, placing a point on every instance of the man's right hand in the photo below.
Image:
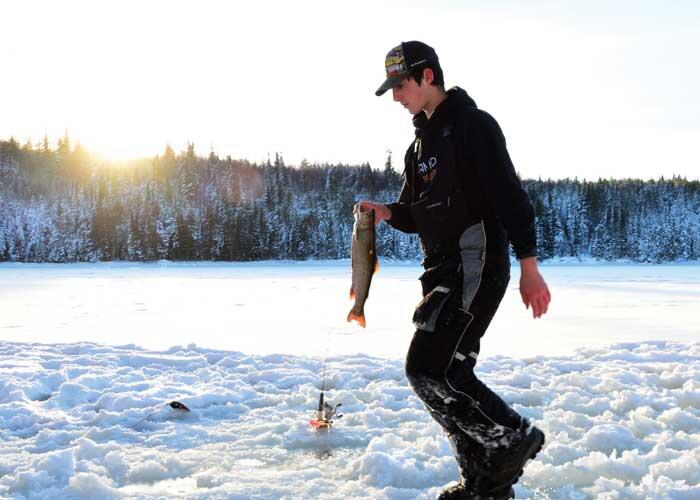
381	212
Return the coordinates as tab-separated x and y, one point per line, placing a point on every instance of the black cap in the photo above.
402	59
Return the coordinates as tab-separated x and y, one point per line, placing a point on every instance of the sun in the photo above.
120	150
114	142
120	123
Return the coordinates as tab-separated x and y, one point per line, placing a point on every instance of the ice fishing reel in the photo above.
325	414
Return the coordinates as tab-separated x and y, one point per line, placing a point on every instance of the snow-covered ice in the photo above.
612	376
623	422
296	307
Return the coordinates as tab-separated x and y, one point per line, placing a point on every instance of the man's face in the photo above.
411	95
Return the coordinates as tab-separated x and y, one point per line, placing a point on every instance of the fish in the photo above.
364	262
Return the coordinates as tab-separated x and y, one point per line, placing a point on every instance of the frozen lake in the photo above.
300	307
611	374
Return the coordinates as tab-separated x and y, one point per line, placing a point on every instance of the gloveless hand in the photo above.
533	289
381	212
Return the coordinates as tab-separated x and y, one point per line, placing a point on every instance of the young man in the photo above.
463	198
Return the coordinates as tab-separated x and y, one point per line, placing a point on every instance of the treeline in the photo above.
62	205
644	221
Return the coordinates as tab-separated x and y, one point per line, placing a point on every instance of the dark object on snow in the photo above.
176	405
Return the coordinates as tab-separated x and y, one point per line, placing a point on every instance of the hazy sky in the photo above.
581	89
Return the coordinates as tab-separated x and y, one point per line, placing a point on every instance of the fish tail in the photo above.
357	315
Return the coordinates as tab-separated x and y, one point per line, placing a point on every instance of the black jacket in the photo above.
461	136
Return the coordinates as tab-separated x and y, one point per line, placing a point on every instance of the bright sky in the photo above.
582	89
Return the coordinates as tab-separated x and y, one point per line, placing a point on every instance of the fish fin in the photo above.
352	272
358	317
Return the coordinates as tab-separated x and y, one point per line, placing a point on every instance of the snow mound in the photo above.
90	421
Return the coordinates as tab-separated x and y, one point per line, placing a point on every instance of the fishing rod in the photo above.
325	413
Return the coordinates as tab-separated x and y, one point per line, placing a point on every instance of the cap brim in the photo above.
390	82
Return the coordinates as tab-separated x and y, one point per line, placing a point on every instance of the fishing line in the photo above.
175	405
325	359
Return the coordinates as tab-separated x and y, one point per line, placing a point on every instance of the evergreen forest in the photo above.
63	205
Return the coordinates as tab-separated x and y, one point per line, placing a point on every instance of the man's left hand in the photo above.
533	289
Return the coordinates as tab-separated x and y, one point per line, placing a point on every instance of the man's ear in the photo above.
428	76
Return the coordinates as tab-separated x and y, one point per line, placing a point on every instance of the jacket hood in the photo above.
456	98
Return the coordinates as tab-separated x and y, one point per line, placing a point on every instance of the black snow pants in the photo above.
456	310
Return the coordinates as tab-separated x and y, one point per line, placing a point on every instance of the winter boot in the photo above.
463	491
487	490
459	491
470	485
464	451
507	466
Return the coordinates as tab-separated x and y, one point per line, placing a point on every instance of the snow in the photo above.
300	307
90	355
247	435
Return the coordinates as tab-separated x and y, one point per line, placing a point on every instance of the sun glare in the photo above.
120	152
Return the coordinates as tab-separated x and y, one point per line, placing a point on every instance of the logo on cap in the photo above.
395	62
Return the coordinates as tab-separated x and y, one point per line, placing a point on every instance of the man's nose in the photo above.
395	94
